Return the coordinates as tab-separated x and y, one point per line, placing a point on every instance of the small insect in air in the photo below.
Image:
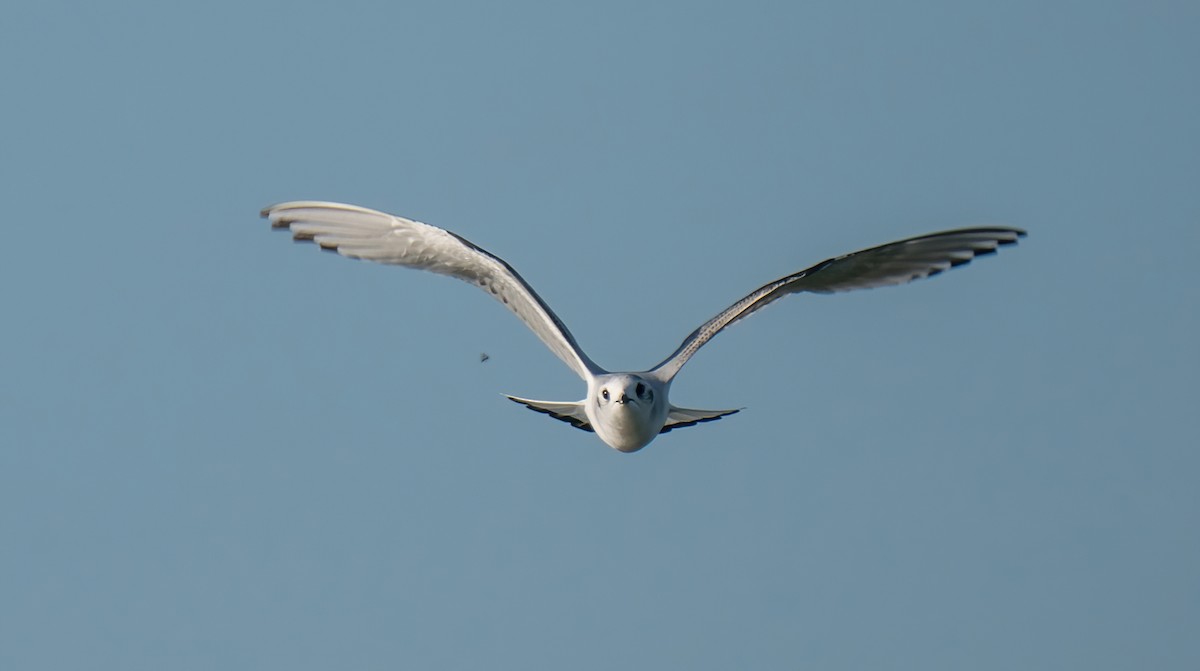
483	356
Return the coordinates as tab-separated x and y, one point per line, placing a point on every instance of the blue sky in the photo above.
222	450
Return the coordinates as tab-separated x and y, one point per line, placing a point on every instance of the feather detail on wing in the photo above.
571	412
893	263
360	233
679	418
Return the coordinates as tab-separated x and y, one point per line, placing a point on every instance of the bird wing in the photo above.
571	412
894	263
681	417
360	233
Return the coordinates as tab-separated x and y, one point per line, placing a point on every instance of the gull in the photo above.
626	410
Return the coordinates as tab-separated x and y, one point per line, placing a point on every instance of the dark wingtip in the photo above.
1020	233
578	424
684	425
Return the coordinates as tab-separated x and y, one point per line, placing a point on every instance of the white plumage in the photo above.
626	410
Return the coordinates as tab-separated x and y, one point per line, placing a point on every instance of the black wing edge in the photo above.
954	263
578	424
682	425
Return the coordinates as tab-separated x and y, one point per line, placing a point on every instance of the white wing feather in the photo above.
361	233
893	263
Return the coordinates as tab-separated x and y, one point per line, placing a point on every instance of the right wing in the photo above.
681	417
894	263
572	413
360	233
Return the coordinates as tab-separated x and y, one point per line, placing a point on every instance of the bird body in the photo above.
626	410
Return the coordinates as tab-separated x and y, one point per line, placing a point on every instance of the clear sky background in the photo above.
220	450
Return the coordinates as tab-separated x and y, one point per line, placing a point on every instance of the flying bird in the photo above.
625	409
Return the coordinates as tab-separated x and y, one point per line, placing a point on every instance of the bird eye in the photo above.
604	393
641	389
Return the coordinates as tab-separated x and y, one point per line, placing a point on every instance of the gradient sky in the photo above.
220	450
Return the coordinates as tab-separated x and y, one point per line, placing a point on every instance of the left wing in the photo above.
360	233
894	263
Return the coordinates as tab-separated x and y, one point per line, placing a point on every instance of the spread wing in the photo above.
360	233
893	263
678	418
572	413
